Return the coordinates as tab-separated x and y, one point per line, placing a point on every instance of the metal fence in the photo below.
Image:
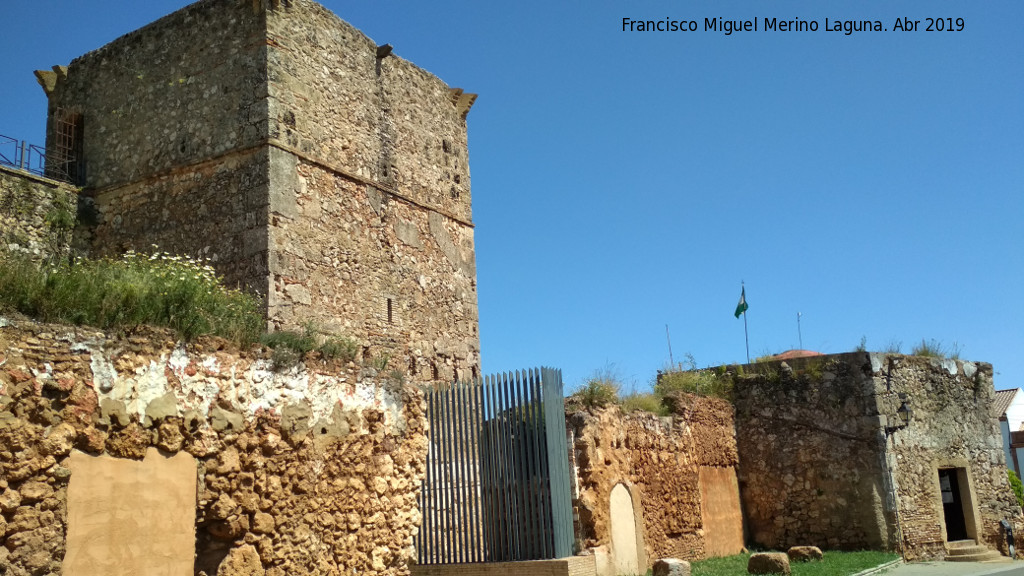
497	483
35	159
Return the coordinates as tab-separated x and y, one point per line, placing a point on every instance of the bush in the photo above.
701	382
599	391
159	289
935	349
289	347
645	402
1017	486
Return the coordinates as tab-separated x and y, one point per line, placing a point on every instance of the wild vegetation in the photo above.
157	289
604	388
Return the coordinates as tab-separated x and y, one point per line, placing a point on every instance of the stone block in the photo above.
768	563
671	567
804	553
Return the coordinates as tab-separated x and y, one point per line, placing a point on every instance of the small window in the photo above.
391	311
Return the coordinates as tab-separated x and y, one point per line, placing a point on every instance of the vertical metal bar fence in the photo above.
496	487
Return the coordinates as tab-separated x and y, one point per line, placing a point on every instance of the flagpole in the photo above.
746	337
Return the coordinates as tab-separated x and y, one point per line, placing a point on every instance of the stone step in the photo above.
960	544
987	556
967	550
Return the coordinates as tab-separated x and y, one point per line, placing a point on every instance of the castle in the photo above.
313	167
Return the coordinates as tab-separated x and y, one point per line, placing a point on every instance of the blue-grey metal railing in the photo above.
497	482
31	158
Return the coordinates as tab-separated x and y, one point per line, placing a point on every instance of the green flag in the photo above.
742	306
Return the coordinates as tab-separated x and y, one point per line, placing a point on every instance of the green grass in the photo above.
159	290
833	564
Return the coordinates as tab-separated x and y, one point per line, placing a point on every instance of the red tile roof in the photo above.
1002	402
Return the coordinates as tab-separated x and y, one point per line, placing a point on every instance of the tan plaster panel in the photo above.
129	517
720	508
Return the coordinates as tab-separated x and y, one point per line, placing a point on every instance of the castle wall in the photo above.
216	210
682	469
186	88
825	459
312	470
270	138
361	262
952	427
370	231
36	215
811	456
334	102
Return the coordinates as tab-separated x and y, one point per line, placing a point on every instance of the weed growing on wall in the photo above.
687	378
935	349
600	390
645	402
290	346
157	289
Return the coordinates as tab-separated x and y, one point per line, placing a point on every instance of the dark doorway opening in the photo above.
952	505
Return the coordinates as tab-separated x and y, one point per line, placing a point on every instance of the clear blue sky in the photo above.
624	181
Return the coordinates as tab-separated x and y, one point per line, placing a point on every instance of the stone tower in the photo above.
313	167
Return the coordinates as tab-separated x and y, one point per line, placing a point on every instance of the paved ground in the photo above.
957	569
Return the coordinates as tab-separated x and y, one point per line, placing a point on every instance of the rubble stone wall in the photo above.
213	210
826	460
364	263
951	426
273	138
663	459
335	102
811	455
188	87
36	215
309	470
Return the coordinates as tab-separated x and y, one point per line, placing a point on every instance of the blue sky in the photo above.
622	182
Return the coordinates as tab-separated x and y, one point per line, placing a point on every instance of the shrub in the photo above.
1017	486
159	289
701	382
290	346
599	391
645	402
344	349
935	349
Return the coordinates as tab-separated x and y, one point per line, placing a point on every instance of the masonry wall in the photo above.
334	102
270	138
811	455
312	470
825	459
952	426
665	460
214	210
186	88
37	215
370	228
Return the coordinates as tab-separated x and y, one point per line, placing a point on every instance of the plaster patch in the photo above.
877	361
970	369
949	365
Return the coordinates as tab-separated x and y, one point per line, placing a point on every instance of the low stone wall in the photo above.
309	470
682	468
811	447
37	215
826	460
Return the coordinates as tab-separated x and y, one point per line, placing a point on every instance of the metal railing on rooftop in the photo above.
21	155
